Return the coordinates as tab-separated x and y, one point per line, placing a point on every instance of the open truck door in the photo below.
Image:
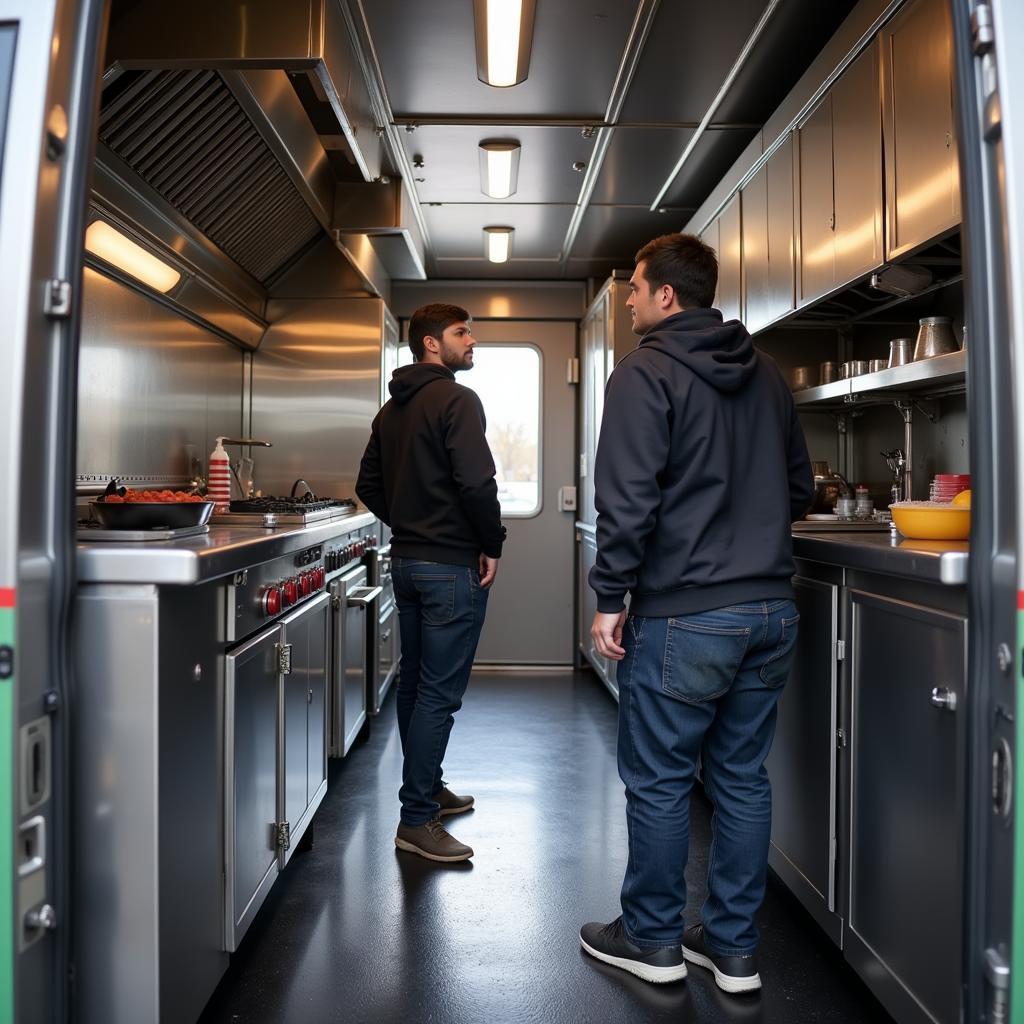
49	52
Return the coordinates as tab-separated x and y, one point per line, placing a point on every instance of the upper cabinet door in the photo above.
922	175
817	209
712	236
768	240
857	168
730	261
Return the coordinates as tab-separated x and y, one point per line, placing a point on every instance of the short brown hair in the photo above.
685	264
432	320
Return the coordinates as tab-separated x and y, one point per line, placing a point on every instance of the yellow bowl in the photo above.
929	520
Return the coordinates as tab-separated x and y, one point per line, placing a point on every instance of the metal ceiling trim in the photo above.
641	28
734	71
808	108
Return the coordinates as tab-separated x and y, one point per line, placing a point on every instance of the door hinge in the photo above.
57	299
840	739
284	835
840	650
572	372
284	659
997	977
982	32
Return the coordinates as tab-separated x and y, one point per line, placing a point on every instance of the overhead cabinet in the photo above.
730	261
922	187
840	182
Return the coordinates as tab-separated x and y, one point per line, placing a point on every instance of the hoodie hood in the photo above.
720	353
407	380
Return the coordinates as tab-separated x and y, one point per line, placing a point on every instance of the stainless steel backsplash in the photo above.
150	384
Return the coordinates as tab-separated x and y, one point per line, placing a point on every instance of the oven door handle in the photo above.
364	596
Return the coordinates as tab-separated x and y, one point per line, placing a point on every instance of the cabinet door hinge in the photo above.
57	299
284	835
572	371
284	659
982	32
840	739
997	978
840	650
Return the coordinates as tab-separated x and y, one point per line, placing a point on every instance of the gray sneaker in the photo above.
432	841
451	803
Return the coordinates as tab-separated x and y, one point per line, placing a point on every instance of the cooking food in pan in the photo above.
126	509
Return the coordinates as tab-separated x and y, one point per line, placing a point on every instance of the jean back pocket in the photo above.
702	657
437	596
775	670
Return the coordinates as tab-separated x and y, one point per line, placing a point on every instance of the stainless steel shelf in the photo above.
940	373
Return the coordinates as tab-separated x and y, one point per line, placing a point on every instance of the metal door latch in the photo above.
41	918
943	698
284	835
57	299
284	659
997	975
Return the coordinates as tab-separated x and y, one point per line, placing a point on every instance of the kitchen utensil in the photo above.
935	337
897	463
828	488
146	515
801	377
846	508
901	351
875	365
827	372
928	521
853	368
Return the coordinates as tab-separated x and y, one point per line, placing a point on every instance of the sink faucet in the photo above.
242	470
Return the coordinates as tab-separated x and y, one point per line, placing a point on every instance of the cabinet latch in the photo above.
840	650
840	739
284	659
997	977
284	835
57	299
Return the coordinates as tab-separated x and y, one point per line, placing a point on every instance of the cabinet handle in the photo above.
943	699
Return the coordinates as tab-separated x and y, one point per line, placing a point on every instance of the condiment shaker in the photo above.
901	351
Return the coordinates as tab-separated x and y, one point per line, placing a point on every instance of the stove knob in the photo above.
291	592
271	601
320	578
331	561
346	554
306	584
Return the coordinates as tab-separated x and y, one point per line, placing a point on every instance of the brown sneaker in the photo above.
450	803
432	841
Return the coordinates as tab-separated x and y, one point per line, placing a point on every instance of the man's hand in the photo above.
488	570
607	634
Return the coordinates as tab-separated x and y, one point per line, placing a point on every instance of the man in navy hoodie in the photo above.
428	473
701	468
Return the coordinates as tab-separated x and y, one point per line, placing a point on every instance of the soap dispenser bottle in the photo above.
218	488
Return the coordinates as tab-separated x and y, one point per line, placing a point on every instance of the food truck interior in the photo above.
216	220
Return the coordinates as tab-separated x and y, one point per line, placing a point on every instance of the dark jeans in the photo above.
707	685
441	612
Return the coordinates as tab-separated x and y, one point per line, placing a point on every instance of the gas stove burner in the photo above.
291	506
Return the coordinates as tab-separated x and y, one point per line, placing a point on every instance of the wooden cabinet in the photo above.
840	183
922	175
767	211
730	261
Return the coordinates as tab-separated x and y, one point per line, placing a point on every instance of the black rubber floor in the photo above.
355	931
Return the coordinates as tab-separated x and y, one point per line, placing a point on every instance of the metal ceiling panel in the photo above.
185	135
428	56
514	270
690	50
636	164
599	269
616	232
716	152
450	169
457	230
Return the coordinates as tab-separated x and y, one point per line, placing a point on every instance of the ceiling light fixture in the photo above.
504	37
499	244
117	249
499	168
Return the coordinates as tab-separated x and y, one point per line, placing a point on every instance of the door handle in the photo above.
943	699
364	596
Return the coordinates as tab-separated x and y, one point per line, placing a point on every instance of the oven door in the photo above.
350	600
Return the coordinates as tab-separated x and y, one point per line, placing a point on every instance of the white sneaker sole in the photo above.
403	844
658	975
726	982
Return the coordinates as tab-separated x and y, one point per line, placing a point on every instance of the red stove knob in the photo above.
321	578
306	584
314	578
291	592
271	601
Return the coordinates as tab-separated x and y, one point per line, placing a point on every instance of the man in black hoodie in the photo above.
701	468
428	473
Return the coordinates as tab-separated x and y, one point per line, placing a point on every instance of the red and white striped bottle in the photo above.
218	487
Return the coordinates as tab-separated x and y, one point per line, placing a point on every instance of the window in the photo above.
508	380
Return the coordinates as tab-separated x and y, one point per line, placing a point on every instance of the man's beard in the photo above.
455	362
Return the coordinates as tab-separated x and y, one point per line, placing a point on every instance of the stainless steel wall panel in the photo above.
541	300
316	389
150	383
756	294
730	261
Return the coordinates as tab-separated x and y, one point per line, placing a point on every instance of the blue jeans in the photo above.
706	685
440	613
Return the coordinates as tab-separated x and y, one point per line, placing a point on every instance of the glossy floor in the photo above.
355	931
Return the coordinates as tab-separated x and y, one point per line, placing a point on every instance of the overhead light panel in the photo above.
499	244
499	168
504	38
117	249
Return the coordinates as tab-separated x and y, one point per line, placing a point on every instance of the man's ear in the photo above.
431	344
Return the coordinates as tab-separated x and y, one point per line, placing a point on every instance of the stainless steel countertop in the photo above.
933	561
224	550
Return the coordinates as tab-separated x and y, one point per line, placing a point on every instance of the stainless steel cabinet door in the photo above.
817	213
730	261
857	168
756	298
316	682
802	764
250	784
712	236
908	741
921	168
354	662
386	645
588	605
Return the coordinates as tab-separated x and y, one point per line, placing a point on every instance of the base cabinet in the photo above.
587	604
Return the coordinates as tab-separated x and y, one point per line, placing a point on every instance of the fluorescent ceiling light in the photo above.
499	168
499	243
113	247
504	36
